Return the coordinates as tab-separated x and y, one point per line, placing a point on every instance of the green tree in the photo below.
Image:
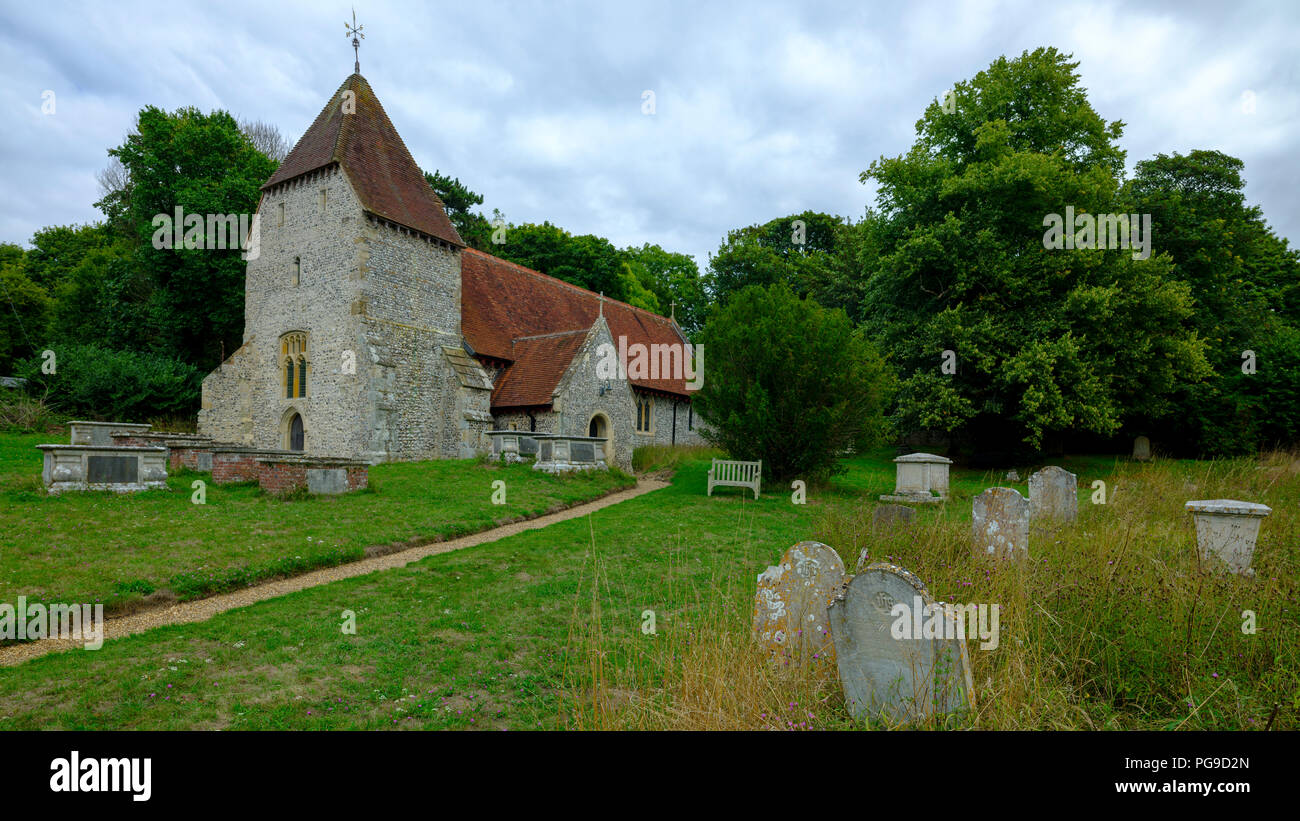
674	280
813	253
25	309
1046	342
192	299
588	261
457	200
1245	284
789	382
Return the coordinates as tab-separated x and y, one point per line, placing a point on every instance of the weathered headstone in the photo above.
1012	476
1000	522
892	517
327	480
889	669
916	475
1142	449
790	606
1053	495
1226	531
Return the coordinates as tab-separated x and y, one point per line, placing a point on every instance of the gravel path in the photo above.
204	609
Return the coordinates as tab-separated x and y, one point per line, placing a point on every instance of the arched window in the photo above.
293	353
644	414
297	270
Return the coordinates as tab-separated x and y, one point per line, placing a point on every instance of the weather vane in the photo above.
355	31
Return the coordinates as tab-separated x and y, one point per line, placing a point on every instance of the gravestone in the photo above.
203	461
892	517
901	675
112	470
1142	449
1012	476
583	452
327	480
1053	495
790	605
1226	531
1000	522
916	475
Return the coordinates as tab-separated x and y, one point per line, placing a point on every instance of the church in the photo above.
371	331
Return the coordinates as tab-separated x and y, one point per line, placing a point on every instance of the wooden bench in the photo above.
731	473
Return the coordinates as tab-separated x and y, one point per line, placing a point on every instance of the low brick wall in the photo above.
186	450
284	474
239	464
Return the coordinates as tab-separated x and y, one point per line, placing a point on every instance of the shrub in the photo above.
92	381
21	413
789	382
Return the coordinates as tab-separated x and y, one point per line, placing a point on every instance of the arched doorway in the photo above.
599	427
295	432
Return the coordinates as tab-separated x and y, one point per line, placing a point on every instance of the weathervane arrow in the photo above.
354	31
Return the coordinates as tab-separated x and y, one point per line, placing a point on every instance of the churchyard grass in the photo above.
1109	625
122	549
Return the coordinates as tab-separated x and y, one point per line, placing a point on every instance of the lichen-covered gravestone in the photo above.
1000	522
1142	449
1226	531
889	669
1053	495
790	606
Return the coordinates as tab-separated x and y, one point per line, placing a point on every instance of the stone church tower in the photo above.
352	337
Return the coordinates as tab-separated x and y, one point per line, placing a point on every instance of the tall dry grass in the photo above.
1111	623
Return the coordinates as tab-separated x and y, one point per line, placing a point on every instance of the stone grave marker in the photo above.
1053	495
916	475
1142	449
899	674
327	480
790	606
892	517
1226	531
1000	522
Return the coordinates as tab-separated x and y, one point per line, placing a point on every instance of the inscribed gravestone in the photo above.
1054	494
902	675
1000	522
1142	449
1226	530
583	452
790	606
112	469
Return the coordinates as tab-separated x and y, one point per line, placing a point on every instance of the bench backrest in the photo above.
728	470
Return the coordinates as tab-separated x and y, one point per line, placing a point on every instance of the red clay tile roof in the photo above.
513	313
539	362
372	153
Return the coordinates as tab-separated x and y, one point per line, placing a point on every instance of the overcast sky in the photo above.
761	109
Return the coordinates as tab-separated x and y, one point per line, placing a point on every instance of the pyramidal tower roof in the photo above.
365	144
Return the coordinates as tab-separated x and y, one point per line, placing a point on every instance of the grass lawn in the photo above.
1108	626
118	549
